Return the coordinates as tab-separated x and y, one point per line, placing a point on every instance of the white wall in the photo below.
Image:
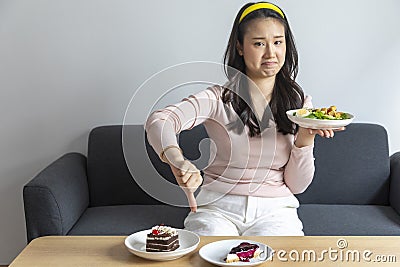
69	65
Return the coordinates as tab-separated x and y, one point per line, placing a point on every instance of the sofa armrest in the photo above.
395	181
56	197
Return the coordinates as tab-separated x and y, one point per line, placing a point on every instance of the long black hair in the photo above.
286	94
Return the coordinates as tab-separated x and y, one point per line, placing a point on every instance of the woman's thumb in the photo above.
192	201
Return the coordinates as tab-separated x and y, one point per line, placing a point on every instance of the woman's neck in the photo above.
260	91
263	86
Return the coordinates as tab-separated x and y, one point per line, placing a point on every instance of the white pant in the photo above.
233	215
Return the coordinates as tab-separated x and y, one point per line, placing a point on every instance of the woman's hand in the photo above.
325	133
189	179
305	136
186	174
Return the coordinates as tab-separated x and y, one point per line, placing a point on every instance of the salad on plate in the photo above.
330	113
320	118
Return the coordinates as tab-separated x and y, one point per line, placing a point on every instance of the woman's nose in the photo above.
269	51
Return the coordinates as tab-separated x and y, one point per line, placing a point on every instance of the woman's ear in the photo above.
239	48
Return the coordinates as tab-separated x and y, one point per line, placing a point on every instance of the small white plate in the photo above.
136	244
216	252
317	123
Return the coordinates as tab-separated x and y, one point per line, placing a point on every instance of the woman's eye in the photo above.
259	44
278	42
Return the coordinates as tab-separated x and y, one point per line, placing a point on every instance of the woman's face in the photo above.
263	48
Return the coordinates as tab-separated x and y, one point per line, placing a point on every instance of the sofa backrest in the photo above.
110	180
351	168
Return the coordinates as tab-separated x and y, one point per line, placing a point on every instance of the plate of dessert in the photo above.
162	243
320	118
236	252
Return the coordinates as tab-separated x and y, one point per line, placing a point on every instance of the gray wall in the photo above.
67	66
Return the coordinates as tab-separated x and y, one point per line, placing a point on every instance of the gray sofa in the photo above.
355	191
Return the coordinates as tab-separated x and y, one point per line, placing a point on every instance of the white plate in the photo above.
216	252
316	123
136	244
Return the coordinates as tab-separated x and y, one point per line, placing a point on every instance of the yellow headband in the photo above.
260	6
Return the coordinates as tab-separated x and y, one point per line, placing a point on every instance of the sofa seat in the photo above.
317	219
341	220
126	219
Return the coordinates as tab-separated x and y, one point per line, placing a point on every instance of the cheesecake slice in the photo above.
243	252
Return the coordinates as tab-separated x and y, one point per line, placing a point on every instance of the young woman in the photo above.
260	159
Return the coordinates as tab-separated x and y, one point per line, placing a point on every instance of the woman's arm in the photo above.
299	170
163	125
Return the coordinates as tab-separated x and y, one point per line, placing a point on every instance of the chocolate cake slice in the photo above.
243	252
162	238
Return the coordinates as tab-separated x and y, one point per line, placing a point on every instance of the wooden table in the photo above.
111	251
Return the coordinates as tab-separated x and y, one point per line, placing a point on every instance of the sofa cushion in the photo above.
351	168
126	219
325	219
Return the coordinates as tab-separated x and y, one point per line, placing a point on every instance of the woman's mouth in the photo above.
269	63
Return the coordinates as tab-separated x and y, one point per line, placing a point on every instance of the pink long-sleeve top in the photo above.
269	165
